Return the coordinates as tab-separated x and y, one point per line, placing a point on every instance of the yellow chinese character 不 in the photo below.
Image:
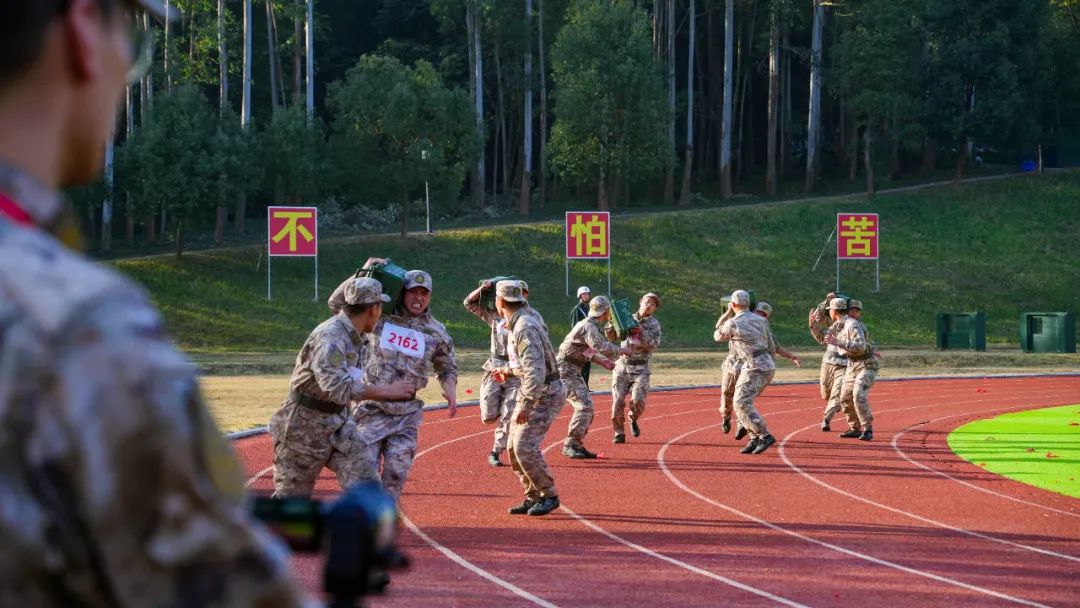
291	228
590	237
859	232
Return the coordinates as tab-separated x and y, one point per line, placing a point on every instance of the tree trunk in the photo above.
241	214
149	78
853	156
725	128
894	149
309	60
179	239
165	50
91	223
814	114
219	222
298	55
223	60
785	102
150	229
669	175
746	39
961	157
540	52
774	93
868	141
129	111
473	26
271	56
404	215
129	216
245	102
684	195
527	140
929	159
500	127
601	192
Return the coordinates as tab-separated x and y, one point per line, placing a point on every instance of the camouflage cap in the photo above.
740	297
854	304
838	304
764	307
510	291
364	290
417	278
524	286
653	296
598	306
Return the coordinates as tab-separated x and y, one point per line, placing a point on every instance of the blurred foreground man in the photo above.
116	488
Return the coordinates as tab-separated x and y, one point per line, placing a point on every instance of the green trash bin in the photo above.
1048	332
961	330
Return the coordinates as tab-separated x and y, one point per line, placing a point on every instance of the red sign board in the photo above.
588	235
293	231
857	236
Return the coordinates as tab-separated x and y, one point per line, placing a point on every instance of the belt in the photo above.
868	355
552	377
758	353
326	407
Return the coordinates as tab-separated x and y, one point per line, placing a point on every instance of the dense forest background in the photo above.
526	107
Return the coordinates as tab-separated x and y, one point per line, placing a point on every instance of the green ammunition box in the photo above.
622	318
487	296
392	278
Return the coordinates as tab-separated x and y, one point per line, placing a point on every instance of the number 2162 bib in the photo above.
408	342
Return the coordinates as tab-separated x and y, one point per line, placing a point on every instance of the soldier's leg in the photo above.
620	384
847	400
352	461
864	379
301	449
578	396
398	453
528	458
295	472
832	387
491	393
638	393
585	371
506	411
748	387
728	378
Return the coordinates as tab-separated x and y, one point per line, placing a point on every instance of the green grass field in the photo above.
1037	447
1000	247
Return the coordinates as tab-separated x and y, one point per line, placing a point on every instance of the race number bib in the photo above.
408	342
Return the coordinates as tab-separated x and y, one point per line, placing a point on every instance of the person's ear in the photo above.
83	27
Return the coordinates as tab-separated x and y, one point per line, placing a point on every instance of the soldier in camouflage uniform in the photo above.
753	346
406	345
833	364
729	377
764	310
496	399
117	489
583	344
631	375
313	428
850	336
539	399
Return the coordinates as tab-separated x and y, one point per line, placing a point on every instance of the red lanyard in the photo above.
13	212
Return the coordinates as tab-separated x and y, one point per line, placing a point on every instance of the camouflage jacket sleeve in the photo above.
724	331
650	336
331	371
533	370
443	360
485	315
819	322
773	343
132	464
596	341
854	339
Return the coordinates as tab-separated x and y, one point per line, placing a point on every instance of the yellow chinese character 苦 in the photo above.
858	233
291	228
590	237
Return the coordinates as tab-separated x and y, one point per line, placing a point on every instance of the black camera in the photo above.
356	533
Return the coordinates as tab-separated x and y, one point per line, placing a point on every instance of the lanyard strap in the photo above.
13	212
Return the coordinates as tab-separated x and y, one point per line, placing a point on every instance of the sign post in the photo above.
857	239
292	232
588	237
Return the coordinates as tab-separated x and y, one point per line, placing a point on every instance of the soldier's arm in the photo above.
610	333
725	330
331	371
444	361
597	342
156	489
650	338
336	301
853	339
472	304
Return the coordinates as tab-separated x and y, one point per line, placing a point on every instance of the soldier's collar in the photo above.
517	315
343	318
45	206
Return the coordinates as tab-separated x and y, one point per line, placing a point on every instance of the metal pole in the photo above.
268	258
877	275
567	263
316	298
609	277
427	199
838	273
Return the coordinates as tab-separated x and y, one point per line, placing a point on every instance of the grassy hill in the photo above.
1000	247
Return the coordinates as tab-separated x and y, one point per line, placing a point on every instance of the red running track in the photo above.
678	517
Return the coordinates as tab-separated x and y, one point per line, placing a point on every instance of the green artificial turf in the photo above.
1037	447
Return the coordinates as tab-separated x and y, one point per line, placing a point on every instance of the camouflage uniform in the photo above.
631	374
541	396
312	429
729	376
116	488
833	364
752	341
586	334
496	399
853	340
389	429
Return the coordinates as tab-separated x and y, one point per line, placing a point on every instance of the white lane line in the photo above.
682	564
904	455
925	520
682	486
256	476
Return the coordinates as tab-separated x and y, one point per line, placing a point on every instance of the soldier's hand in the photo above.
498	376
830	339
625	350
451	402
879	355
488	285
521	417
796	361
607	364
589	353
372	261
401	390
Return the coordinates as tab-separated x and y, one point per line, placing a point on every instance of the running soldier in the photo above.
833	364
117	487
764	310
585	343
579	313
405	345
539	399
631	375
496	399
313	428
851	337
753	344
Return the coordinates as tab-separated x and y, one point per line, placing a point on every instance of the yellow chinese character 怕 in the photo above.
859	232
291	227
590	237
